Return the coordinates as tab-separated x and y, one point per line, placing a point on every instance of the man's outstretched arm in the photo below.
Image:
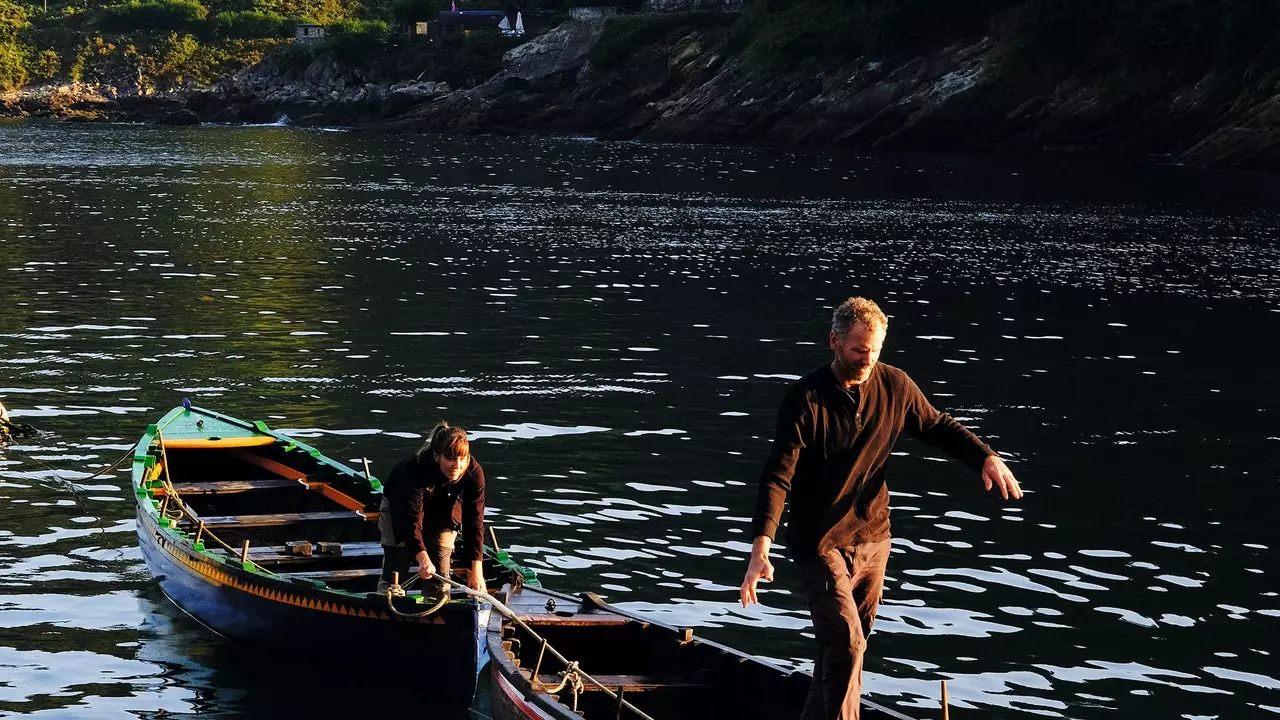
794	425
758	568
941	430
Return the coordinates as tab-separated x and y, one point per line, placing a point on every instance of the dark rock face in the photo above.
179	117
321	94
965	97
689	87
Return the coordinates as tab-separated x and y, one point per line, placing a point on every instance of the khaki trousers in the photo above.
843	588
397	558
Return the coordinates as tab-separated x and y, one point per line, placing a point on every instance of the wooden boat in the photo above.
265	540
661	671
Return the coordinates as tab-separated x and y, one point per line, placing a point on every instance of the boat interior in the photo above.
663	671
297	517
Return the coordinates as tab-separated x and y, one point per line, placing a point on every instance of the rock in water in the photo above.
179	117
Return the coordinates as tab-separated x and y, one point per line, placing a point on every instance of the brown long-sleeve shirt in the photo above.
420	495
829	453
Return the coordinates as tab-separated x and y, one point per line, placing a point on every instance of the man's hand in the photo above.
425	568
995	472
477	577
758	568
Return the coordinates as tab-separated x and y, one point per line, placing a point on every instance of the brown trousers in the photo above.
397	557
843	588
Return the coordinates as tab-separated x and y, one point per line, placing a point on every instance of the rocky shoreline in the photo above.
690	89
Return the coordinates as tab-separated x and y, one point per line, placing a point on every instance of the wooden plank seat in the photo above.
229	487
281	554
276	519
334	575
630	683
574	619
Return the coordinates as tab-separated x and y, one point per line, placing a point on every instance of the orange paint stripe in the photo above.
235	442
338	496
220	577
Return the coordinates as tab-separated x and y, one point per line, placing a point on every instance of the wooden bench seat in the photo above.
277	519
230	487
334	575
280	554
574	619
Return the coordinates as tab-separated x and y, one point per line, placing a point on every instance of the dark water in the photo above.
616	323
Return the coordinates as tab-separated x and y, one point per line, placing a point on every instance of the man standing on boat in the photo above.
426	500
836	429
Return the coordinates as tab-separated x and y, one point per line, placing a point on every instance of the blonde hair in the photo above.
858	310
446	440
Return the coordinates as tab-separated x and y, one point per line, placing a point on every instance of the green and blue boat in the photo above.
266	541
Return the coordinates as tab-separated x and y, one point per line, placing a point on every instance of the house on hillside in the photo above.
308	33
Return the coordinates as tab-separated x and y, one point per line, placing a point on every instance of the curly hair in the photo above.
858	310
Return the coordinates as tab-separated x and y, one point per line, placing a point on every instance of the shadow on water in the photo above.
231	680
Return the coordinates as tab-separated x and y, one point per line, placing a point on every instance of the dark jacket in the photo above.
420	497
829	453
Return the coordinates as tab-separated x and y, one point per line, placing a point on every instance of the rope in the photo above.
399	591
172	493
571	667
55	471
71	485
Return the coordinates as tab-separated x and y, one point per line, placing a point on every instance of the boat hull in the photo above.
680	674
319	625
509	703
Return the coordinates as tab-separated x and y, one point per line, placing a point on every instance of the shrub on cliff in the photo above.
353	41
13	19
13	66
156	15
325	12
464	61
247	24
44	65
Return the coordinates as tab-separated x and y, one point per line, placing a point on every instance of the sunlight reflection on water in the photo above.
617	348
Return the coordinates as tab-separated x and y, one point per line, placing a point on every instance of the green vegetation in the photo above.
165	44
382	55
160	45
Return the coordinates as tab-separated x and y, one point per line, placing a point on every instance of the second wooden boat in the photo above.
627	666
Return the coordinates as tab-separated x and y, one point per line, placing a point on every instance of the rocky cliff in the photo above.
693	85
966	96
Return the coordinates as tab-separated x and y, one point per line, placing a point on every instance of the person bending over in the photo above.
426	500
